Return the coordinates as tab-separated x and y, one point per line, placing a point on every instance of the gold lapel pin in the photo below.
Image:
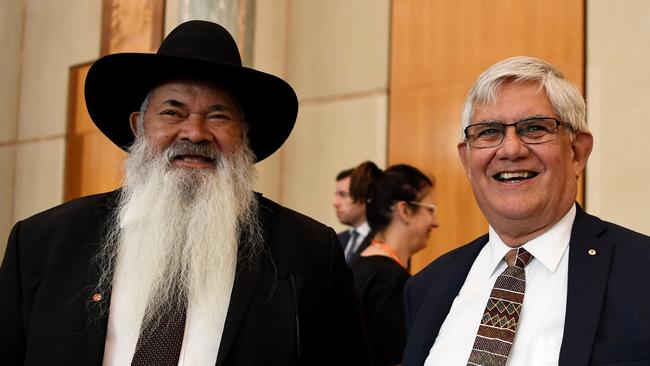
592	252
97	297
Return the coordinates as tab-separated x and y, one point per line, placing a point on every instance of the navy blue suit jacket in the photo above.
608	301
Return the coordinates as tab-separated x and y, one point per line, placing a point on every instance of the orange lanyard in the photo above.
387	250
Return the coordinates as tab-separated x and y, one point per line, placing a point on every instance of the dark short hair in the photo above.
344	174
400	182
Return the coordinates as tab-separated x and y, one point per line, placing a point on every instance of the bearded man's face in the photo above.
187	210
194	111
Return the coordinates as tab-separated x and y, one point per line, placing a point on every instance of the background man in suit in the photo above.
586	298
349	202
185	264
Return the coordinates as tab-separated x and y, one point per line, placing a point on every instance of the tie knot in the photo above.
518	257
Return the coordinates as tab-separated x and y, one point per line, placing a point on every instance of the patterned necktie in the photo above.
162	347
499	323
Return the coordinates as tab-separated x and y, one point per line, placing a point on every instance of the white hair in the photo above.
562	93
177	234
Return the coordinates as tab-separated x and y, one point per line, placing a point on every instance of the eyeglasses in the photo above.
536	130
429	206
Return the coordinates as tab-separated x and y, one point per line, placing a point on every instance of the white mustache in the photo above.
189	148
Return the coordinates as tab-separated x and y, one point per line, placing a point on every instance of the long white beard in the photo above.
176	235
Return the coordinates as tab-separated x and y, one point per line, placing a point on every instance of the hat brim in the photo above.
117	84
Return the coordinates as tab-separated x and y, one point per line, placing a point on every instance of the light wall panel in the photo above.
618	179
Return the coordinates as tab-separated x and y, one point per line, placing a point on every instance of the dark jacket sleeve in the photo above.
344	323
12	336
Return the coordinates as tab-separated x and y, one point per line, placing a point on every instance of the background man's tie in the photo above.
351	247
501	316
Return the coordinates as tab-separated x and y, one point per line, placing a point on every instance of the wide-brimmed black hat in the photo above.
117	85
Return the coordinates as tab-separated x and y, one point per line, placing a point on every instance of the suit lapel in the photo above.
246	281
443	289
242	293
97	320
589	262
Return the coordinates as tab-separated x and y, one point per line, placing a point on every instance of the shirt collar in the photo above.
363	229
547	248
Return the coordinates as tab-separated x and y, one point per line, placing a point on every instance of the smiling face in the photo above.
523	189
197	112
422	221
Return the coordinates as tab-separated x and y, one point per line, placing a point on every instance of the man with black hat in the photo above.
184	265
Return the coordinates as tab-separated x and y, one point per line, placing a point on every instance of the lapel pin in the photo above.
592	252
97	297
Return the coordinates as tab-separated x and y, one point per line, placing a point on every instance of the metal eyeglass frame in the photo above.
522	136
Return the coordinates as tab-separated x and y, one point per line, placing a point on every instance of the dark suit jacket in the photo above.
608	301
294	306
344	236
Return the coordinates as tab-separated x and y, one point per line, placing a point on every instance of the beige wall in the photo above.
40	39
337	58
11	29
335	55
618	96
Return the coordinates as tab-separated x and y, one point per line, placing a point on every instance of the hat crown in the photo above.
117	84
198	39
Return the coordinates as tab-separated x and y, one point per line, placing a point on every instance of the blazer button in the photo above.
592	252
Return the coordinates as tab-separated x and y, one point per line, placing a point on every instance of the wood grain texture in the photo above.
438	49
132	25
93	162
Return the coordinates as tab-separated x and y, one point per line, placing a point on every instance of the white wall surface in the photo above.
618	97
337	56
11	32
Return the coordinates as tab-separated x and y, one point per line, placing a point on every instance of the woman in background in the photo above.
401	214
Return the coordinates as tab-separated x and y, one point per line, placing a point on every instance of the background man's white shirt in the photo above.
363	231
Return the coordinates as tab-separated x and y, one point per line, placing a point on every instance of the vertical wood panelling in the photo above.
93	163
132	25
438	49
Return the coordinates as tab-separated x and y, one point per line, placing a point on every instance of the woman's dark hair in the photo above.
361	178
400	182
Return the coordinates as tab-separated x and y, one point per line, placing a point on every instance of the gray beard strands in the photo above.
176	231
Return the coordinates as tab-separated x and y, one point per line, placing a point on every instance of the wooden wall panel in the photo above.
438	49
132	25
93	163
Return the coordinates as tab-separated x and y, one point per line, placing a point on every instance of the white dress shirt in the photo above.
200	342
203	326
541	323
363	231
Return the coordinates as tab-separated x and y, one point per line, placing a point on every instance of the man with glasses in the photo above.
549	284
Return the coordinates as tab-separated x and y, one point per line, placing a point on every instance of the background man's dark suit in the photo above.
299	289
608	296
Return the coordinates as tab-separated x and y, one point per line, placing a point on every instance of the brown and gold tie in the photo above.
501	316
